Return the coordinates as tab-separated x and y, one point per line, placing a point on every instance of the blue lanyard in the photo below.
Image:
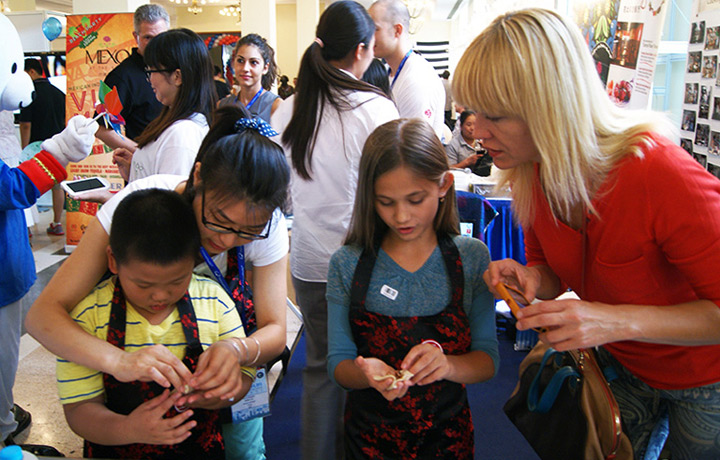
255	98
217	274
400	67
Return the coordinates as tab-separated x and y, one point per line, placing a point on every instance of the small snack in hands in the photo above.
399	376
184	390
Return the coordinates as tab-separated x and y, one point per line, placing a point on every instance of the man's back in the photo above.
46	114
418	92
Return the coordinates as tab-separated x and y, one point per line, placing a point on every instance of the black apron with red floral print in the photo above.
206	440
431	421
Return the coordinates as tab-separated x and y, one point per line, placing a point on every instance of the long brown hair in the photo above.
409	142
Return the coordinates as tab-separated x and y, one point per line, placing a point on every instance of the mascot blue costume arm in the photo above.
20	187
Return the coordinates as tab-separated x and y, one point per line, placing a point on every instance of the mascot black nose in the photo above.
32	97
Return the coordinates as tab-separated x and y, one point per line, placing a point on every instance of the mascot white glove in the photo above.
73	143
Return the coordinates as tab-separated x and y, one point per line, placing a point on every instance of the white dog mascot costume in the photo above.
19	188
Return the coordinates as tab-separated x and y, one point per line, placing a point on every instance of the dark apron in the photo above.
206	440
431	421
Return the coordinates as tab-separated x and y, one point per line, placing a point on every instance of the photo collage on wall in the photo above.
700	123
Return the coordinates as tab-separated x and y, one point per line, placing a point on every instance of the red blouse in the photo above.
655	241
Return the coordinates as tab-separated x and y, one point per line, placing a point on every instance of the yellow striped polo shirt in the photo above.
216	316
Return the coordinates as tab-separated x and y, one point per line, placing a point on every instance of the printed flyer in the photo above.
624	36
95	44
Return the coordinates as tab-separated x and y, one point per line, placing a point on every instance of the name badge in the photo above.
388	292
466	228
257	401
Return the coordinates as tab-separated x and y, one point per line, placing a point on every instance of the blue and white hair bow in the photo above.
258	124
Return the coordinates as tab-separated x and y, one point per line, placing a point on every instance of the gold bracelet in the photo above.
45	168
257	355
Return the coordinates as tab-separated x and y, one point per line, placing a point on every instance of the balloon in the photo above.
51	28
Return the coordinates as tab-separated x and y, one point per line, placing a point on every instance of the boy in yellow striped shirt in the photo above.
154	299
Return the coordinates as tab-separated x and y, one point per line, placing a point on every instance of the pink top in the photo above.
656	241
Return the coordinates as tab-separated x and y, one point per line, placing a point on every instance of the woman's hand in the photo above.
572	323
468	162
155	363
122	157
218	373
373	367
148	425
427	362
508	271
94	196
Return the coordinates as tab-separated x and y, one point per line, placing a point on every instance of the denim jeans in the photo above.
693	414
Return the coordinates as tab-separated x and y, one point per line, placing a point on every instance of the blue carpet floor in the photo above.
495	437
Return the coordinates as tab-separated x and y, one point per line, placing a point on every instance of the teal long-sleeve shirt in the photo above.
421	293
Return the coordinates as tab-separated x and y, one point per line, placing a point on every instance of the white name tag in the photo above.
257	401
388	292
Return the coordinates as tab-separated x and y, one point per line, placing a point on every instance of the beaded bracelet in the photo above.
434	343
257	355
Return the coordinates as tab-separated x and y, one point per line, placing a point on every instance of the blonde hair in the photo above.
409	142
534	65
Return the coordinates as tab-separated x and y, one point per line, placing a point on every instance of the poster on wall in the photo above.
623	37
95	44
701	115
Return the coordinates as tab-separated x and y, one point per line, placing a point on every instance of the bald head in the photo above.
392	22
393	11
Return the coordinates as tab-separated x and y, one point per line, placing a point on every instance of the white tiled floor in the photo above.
35	388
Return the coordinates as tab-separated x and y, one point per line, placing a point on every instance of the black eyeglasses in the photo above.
149	72
227	230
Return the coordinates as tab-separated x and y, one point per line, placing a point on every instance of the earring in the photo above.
442	199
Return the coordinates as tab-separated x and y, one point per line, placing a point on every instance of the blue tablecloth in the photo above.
503	237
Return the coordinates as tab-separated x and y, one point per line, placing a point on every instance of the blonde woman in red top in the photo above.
612	209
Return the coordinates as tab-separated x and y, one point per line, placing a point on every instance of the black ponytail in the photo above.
342	27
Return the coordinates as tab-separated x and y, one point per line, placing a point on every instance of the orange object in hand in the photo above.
504	291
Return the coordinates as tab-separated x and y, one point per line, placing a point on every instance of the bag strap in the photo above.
542	403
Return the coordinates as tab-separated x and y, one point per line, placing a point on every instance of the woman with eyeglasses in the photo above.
237	188
324	126
179	70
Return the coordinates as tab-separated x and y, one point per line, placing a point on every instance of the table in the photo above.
504	238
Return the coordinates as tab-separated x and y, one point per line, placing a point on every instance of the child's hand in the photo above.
155	363
218	373
373	367
427	362
148	426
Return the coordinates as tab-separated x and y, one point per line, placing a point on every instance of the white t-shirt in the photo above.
419	93
259	252
322	207
173	152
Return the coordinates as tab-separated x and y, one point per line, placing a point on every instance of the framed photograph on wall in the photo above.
702	135
688	120
687	145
